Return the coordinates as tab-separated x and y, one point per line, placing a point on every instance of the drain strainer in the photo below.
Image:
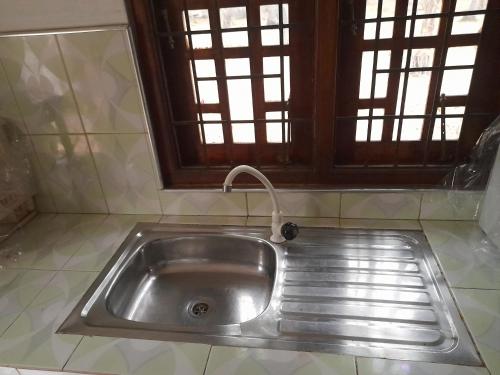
199	309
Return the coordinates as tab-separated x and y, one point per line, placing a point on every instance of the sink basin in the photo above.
364	293
195	281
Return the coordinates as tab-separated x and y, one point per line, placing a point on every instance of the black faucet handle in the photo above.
289	231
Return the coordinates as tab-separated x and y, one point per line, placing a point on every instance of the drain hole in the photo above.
199	309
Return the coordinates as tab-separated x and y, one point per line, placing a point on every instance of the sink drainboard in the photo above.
366	293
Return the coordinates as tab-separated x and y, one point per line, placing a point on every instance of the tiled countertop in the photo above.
62	254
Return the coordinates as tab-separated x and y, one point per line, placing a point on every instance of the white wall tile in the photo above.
126	173
361	205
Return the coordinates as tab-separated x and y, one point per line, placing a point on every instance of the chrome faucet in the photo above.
280	231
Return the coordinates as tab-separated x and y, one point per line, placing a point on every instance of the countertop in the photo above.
48	265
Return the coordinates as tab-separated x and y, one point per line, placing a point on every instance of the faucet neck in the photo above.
254	172
277	217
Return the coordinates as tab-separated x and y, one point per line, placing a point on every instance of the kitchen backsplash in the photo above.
76	96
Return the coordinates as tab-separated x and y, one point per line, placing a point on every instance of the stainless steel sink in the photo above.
367	293
195	281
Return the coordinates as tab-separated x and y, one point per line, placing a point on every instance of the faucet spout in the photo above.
277	216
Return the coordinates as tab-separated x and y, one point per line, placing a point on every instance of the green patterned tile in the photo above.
468	258
203	203
451	205
126	172
18	288
247	361
380	224
481	310
378	366
304	204
36	72
103	242
138	357
205	220
312	222
106	88
30	341
374	205
68	169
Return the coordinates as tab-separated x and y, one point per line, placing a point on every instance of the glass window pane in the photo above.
205	68
201	41
238	67
388	8
286	76
453	125
272	89
198	20
384	59
235	39
425	7
269	14
381	80
461	55
366	75
271	65
274	131
270	37
209	93
370	31
243	133
417	92
469	5
213	132
423	27
240	99
470	24
371	8
377	125
233	17
362	127
386	29
456	82
410	131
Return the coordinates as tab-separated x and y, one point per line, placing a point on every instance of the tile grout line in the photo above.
77	106
420	206
72	352
208	359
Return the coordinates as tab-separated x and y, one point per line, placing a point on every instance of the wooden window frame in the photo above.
323	170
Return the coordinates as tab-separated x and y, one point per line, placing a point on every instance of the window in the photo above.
417	107
388	96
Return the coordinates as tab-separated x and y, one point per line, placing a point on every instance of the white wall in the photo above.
490	215
34	15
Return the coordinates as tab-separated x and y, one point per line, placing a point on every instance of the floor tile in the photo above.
18	288
31	340
481	310
138	357
247	361
467	257
378	366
